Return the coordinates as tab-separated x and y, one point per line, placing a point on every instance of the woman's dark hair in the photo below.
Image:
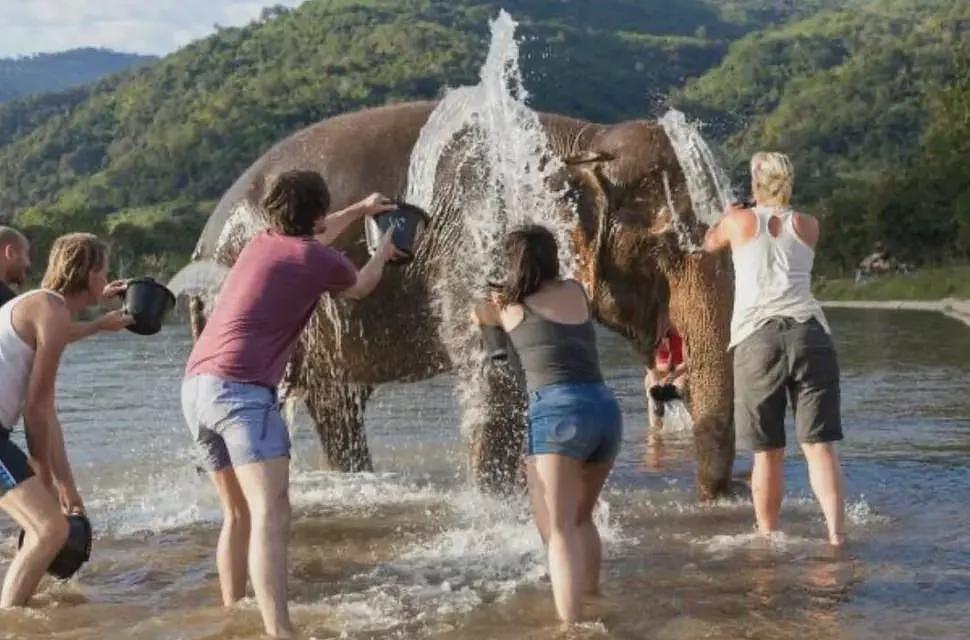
531	258
295	202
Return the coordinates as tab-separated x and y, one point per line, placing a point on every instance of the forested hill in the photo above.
56	71
872	102
141	156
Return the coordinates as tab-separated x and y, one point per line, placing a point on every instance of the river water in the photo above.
410	552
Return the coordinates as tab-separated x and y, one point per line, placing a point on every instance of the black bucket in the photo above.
147	302
408	222
75	552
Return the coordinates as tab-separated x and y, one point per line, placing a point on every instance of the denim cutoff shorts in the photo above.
233	423
579	420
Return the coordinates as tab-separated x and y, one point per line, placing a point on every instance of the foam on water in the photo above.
677	418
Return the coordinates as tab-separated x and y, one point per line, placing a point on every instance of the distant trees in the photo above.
871	101
56	71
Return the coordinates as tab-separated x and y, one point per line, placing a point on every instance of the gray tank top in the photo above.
553	352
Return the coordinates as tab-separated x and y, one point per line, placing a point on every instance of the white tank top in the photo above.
16	362
773	277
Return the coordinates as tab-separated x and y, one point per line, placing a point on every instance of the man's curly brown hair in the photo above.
295	202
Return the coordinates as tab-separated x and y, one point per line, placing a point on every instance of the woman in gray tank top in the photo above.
574	420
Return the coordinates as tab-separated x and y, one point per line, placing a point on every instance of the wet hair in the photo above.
773	176
73	258
531	258
295	202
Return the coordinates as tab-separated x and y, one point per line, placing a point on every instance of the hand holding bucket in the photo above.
76	550
406	222
147	301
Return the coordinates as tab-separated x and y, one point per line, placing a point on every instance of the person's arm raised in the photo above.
333	225
717	237
52	327
370	274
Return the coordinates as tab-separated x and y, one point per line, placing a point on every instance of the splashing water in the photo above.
496	137
499	175
707	182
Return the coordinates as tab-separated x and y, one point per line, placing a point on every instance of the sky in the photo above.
136	26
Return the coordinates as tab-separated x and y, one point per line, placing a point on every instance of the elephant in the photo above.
618	184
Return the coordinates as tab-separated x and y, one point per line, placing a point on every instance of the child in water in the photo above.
666	380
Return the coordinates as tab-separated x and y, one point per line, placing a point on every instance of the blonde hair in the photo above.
73	258
772	176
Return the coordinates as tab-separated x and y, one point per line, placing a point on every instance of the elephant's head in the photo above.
635	240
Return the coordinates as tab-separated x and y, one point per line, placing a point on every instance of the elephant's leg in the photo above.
492	400
493	423
337	409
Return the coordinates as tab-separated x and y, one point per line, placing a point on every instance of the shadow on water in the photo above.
410	552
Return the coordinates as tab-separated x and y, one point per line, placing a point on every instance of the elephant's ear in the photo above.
588	156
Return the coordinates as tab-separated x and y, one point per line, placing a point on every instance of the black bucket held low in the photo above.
75	552
408	222
147	302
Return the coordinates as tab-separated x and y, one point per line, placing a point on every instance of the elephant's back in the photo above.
356	153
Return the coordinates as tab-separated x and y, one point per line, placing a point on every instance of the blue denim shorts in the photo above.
580	420
233	423
14	467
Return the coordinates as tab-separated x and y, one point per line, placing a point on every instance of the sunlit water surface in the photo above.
411	552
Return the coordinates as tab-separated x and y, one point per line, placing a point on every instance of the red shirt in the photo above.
670	351
264	304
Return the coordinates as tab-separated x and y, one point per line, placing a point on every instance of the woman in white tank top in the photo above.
783	354
34	329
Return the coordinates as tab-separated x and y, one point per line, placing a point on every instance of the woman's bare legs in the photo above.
537	499
233	548
594	477
561	481
768	488
266	487
825	476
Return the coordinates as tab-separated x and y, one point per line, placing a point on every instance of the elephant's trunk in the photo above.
701	297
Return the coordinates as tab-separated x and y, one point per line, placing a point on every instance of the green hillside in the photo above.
862	96
872	104
163	139
56	71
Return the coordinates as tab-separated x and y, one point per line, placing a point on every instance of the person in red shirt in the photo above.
667	378
229	391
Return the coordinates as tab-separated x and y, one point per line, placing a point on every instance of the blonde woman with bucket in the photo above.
783	351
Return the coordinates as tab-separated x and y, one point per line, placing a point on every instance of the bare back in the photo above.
562	301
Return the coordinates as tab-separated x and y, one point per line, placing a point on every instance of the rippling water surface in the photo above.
410	552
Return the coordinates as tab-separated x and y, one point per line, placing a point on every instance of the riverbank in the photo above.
958	309
945	290
927	285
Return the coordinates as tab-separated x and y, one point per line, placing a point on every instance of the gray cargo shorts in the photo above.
786	362
233	423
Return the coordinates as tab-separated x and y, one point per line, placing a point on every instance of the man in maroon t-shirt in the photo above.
228	395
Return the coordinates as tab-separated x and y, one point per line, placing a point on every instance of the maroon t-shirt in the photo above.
264	303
